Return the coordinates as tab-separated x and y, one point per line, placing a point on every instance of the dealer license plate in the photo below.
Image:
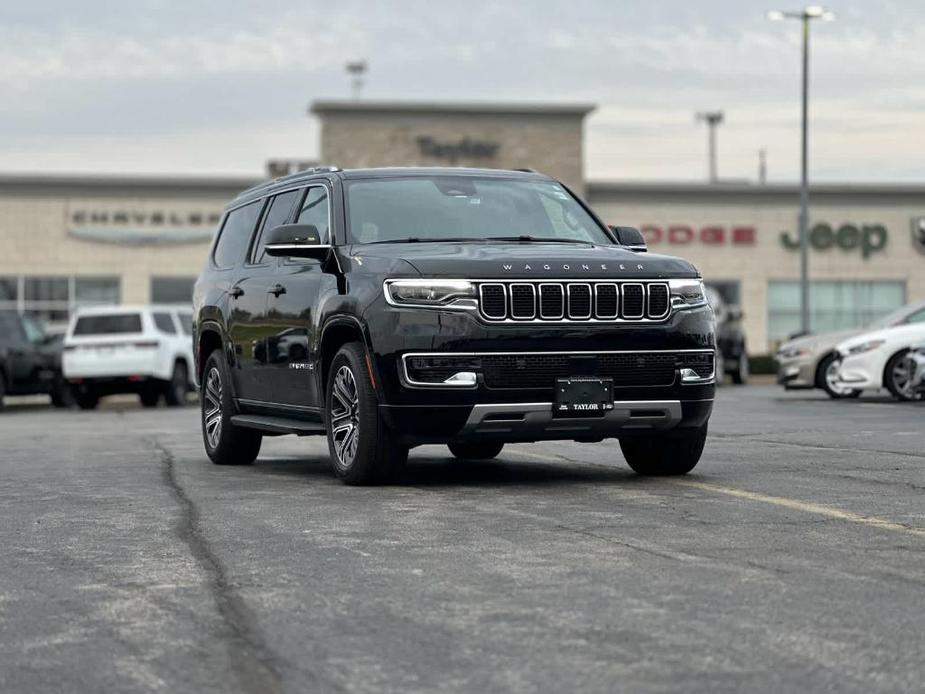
583	395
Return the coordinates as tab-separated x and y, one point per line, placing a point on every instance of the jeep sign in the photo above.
869	238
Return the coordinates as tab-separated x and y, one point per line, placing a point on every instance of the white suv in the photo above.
146	350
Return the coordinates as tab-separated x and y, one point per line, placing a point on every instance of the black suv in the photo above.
30	361
388	308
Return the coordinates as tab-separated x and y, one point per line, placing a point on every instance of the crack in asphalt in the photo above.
257	668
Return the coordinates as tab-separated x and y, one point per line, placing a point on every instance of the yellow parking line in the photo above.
806	507
782	501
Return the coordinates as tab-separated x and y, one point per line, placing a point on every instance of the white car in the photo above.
146	350
917	364
881	359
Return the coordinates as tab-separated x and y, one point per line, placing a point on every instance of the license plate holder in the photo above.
583	396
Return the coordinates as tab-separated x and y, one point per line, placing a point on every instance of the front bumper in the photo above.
796	373
861	372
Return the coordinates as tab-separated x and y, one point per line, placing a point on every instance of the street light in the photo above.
712	119
805	15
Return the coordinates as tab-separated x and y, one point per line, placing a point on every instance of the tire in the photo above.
60	394
897	377
176	388
226	444
149	398
741	373
363	449
719	368
825	379
665	454
475	451
86	401
2	389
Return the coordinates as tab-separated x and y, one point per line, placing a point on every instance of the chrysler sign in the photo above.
136	226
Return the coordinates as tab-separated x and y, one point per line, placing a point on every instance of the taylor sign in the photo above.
868	238
710	235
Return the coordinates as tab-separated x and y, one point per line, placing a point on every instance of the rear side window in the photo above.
108	324
236	234
277	214
164	323
186	323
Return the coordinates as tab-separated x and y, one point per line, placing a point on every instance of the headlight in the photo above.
866	347
794	352
687	293
426	293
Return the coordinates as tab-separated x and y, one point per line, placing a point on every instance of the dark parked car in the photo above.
732	356
388	308
30	360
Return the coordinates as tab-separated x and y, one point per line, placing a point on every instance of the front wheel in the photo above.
741	373
672	453
363	449
828	379
226	444
475	451
898	377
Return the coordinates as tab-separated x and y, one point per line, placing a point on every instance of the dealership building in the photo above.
67	241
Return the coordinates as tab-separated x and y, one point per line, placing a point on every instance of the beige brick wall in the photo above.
767	259
551	144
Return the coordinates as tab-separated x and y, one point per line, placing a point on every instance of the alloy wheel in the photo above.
212	407
345	416
902	378
831	379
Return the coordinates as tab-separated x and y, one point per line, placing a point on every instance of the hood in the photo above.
530	260
899	336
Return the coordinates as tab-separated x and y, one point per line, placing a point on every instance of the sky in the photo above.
190	87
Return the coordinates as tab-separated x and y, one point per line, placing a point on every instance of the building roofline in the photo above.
746	188
325	106
124	180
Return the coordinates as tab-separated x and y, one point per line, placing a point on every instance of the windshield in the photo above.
896	317
464	208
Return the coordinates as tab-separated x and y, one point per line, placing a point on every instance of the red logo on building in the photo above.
711	235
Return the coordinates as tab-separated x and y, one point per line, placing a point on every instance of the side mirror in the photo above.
630	237
296	241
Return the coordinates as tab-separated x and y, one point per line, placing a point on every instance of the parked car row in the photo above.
886	356
108	350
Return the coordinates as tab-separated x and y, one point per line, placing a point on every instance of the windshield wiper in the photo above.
420	239
535	239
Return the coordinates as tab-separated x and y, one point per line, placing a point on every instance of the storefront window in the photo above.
834	305
172	290
49	300
96	290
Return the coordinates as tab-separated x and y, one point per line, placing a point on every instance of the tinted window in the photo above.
917	317
435	208
33	332
172	290
108	324
186	323
164	323
236	234
314	211
280	207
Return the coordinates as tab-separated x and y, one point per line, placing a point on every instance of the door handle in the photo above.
236	292
276	290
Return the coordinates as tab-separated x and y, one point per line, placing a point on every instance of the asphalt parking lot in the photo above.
790	560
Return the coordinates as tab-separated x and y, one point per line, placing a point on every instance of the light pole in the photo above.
809	13
712	119
356	69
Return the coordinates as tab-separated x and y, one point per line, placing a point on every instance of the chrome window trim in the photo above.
616	287
561	315
510	299
568	300
642	315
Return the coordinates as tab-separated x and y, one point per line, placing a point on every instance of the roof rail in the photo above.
304	173
526	170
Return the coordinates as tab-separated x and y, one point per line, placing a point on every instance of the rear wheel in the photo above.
175	390
61	394
827	379
363	449
475	451
665	454
86	400
2	388
226	444
149	398
741	372
897	377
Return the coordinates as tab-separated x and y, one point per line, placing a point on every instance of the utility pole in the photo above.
805	16
712	119
762	166
356	69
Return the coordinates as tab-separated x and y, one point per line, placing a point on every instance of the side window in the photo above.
236	235
164	323
277	213
917	317
186	323
314	211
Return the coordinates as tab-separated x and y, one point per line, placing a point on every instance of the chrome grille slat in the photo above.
516	301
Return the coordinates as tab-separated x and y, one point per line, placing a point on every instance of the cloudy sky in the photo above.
189	86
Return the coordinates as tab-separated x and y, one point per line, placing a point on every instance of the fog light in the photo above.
691	376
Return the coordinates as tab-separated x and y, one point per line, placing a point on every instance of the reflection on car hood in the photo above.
534	260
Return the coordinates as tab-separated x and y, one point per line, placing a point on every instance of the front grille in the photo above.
574	301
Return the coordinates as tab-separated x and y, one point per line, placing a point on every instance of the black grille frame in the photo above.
575	301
